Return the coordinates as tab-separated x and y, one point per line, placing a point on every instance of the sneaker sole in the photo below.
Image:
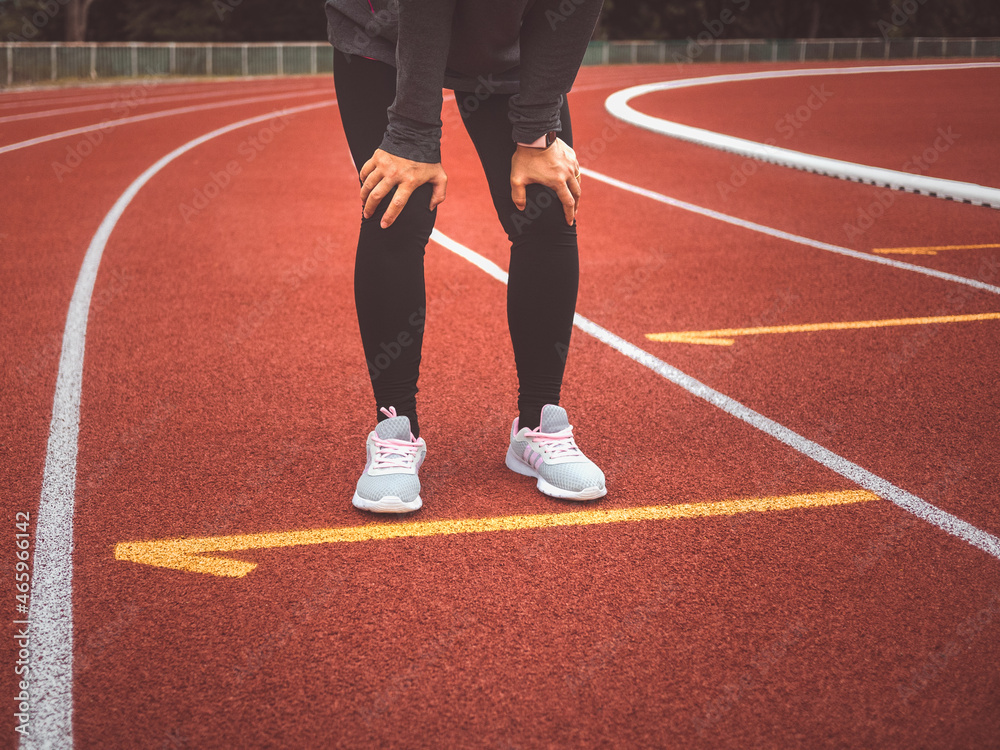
390	504
519	467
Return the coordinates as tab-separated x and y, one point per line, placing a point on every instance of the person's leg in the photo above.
389	267
544	262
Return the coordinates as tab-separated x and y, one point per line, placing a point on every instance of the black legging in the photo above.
389	268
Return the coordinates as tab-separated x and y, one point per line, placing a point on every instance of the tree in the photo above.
76	20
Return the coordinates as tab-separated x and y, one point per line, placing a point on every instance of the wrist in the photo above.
542	142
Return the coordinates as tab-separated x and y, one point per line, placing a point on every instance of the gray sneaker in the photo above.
551	455
389	483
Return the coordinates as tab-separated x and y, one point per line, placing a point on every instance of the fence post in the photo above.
829	54
245	61
606	53
134	54
774	51
802	50
916	44
663	52
633	52
857	53
746	50
718	50
973	53
173	58
10	65
313	67
208	60
53	63
281	59
944	47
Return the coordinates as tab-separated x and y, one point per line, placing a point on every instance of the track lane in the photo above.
43	282
827	115
857	294
615	632
93	132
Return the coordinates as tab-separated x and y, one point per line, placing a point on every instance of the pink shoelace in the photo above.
556	444
394	454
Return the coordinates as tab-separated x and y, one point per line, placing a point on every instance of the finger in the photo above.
367	186
569	203
396	205
375	197
575	187
440	191
518	195
367	169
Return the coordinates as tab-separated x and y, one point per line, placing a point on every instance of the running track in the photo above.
223	394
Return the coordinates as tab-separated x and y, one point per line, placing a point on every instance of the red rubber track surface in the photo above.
879	119
225	393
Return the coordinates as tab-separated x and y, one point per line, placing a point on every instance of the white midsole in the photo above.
515	464
390	504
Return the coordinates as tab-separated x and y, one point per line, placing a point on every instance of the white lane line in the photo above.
862	477
965	192
101	92
131	102
51	606
110	124
799	239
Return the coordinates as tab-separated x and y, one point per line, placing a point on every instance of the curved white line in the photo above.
51	607
933	515
782	235
110	124
966	192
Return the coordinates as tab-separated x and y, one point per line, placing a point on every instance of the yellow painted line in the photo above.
724	336
192	555
928	250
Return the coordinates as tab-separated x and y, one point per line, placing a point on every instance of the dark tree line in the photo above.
303	20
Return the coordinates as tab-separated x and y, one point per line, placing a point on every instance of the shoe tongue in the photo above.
394	428
554	419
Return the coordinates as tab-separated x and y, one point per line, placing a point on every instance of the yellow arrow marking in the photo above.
927	250
190	554
723	336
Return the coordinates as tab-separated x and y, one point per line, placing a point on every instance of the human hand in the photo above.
384	171
555	167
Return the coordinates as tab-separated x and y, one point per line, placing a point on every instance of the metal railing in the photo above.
23	63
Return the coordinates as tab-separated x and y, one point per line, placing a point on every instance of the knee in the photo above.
543	214
416	218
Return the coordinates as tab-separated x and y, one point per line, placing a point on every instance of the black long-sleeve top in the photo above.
529	48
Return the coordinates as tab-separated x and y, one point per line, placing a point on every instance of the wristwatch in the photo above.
543	141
